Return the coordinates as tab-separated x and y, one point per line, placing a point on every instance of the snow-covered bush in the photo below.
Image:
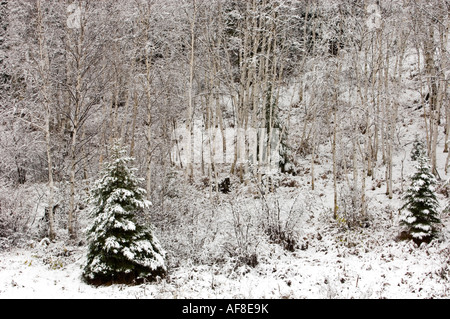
18	212
245	236
121	250
281	219
189	223
352	208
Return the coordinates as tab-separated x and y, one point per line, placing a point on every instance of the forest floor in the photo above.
362	264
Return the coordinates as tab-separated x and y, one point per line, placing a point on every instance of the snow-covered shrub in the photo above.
245	236
280	223
189	225
120	248
352	209
18	212
420	212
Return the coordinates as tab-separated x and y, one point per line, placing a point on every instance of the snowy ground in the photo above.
334	264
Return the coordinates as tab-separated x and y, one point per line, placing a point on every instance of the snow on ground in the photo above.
333	263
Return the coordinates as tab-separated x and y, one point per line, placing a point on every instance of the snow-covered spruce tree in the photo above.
120	249
418	149
420	212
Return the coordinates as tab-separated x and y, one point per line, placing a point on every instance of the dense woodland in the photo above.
221	104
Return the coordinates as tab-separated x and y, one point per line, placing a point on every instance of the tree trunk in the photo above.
333	151
72	217
44	73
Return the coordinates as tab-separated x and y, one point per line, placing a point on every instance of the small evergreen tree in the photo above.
418	149
421	215
120	249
